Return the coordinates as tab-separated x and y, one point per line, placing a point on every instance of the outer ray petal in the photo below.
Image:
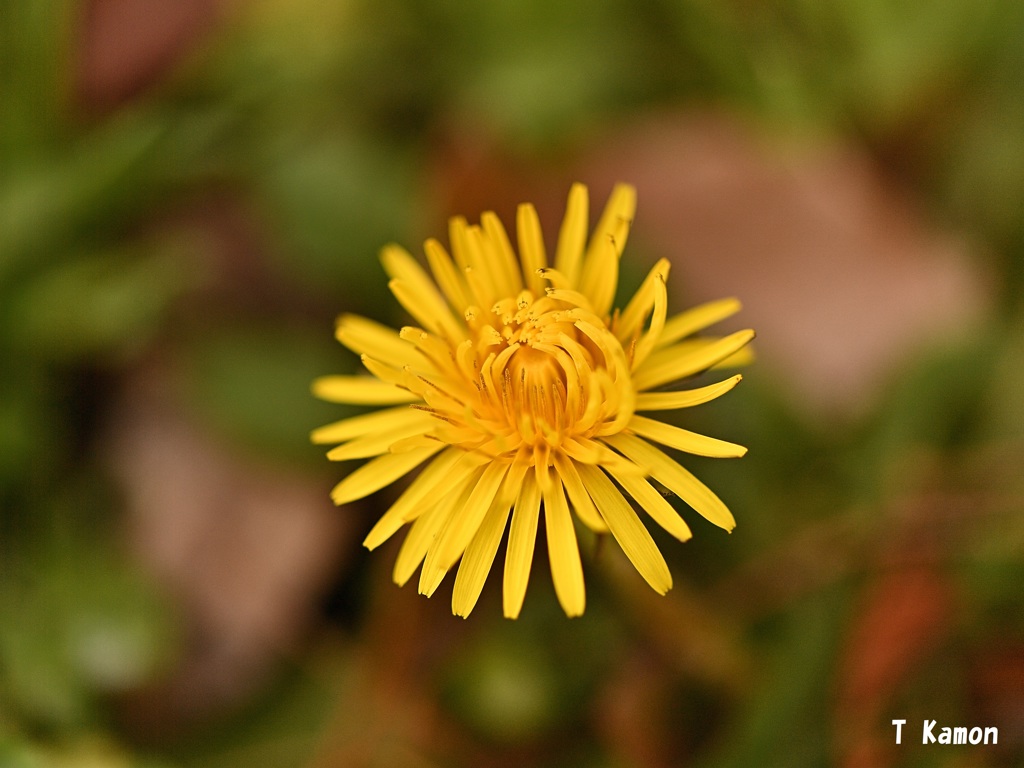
600	274
599	277
429	311
417	293
670	364
654	504
364	336
684	439
573	235
482	268
356	426
563	552
460	528
666	401
531	248
448	278
630	321
476	563
582	504
648	340
521	540
674	477
360	390
379	442
413	501
398	377
739	359
697	319
627	529
427	527
510	281
382	471
617	217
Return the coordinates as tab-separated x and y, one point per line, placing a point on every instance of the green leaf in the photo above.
106	303
89	623
253	383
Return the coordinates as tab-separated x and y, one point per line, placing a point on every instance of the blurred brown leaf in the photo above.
126	45
838	272
904	615
248	549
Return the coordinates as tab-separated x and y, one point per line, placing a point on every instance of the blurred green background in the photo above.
191	191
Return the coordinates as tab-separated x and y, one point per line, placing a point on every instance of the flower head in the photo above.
520	390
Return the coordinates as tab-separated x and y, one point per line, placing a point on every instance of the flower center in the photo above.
544	372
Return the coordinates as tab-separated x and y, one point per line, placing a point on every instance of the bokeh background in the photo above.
192	190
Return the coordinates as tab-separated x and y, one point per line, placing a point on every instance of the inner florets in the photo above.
545	371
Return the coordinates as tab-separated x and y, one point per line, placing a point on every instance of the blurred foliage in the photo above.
320	121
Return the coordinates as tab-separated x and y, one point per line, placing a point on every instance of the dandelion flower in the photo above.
521	391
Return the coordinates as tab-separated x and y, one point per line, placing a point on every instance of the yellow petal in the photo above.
482	273
448	278
627	529
521	540
654	504
587	451
364	336
413	501
426	528
739	359
398	377
477	561
556	278
563	552
582	504
645	345
569	296
381	441
616	220
360	390
430	311
599	277
382	471
509	281
531	248
460	528
684	439
672	363
630	321
573	235
697	319
666	401
356	426
674	477
438	351
419	440
417	293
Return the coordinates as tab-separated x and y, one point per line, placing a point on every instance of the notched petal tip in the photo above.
392	250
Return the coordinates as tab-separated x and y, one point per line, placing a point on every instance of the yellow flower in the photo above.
522	388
